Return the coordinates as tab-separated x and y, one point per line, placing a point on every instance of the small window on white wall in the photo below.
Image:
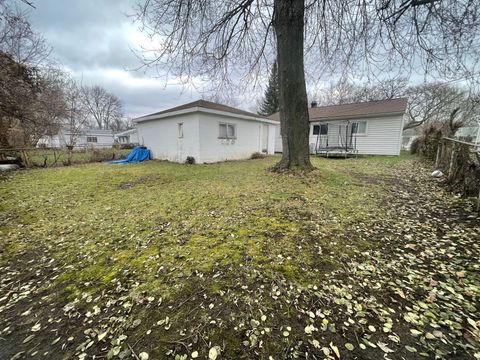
227	131
180	130
359	127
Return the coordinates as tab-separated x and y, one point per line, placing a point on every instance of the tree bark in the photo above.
288	22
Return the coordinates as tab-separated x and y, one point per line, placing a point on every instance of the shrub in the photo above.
99	155
190	160
415	145
257	155
427	143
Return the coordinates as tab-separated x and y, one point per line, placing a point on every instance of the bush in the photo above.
99	155
257	155
190	160
415	145
427	143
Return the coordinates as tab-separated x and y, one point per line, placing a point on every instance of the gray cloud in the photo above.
93	40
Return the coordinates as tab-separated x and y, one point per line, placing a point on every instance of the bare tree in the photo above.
220	41
448	105
77	114
18	39
105	108
346	91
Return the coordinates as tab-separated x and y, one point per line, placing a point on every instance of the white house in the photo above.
370	128
207	131
126	137
84	139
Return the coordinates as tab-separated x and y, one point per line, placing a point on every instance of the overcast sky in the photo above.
93	39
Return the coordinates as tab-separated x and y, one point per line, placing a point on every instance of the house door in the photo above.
265	138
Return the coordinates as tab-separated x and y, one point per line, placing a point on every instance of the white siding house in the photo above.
369	128
127	137
206	131
84	139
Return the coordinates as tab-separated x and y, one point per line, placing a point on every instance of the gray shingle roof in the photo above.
206	105
360	109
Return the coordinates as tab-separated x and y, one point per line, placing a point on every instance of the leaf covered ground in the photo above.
364	259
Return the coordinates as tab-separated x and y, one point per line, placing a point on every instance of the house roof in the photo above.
126	132
355	110
203	104
90	131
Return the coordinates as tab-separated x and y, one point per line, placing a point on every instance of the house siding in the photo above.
161	137
383	135
63	138
249	138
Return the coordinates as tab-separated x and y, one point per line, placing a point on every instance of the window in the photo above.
320	129
180	130
359	127
92	139
324	129
227	131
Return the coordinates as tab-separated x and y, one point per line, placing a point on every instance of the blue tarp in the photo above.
138	154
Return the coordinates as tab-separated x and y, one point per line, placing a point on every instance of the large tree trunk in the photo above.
288	23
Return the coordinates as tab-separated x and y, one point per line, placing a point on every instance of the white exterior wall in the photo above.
383	135
103	141
249	138
161	137
272	136
127	137
278	139
63	139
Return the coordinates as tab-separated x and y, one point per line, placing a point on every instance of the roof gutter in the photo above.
362	116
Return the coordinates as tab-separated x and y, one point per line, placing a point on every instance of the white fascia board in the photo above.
165	115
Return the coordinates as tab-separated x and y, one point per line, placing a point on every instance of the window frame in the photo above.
180	130
92	139
227	127
356	133
320	127
323	126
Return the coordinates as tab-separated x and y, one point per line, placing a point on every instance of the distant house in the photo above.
84	139
470	133
207	131
127	137
373	127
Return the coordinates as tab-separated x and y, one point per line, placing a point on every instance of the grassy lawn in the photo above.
363	259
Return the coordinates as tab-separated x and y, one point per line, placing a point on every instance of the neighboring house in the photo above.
127	137
413	130
85	139
207	131
370	128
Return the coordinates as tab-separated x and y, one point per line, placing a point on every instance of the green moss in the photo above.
161	224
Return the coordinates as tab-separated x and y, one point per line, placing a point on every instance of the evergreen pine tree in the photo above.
270	102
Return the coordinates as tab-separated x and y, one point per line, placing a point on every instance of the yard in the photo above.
363	259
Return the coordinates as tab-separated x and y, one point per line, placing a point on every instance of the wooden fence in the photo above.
460	161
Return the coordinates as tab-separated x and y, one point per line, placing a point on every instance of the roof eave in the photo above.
361	116
203	110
